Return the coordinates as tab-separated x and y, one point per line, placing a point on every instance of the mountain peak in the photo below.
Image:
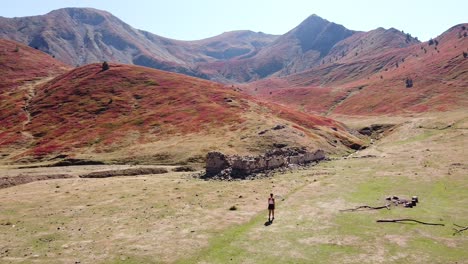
88	16
316	33
313	20
77	10
314	16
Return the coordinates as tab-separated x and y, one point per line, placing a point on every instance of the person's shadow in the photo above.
269	222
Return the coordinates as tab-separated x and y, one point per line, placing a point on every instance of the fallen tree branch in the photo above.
366	207
407	220
457	231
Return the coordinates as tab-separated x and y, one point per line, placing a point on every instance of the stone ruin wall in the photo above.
218	163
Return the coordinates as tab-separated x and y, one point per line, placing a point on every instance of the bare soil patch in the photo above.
6	182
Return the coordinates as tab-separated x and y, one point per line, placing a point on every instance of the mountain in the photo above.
136	114
79	36
318	67
297	50
229	45
304	46
375	80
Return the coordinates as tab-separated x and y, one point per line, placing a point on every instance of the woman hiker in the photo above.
271	207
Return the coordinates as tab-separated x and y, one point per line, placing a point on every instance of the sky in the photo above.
198	19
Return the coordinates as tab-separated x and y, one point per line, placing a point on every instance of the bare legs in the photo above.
271	213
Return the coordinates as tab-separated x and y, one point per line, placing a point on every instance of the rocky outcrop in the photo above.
218	164
376	131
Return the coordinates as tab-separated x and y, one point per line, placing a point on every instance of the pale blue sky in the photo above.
197	19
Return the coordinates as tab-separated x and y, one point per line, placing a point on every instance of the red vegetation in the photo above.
127	105
20	65
374	83
110	105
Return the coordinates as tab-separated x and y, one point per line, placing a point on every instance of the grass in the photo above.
420	137
174	218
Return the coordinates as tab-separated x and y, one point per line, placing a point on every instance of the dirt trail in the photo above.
30	90
341	100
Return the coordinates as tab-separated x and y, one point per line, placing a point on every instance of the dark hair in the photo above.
271	194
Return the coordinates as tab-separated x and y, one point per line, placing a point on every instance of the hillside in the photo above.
136	114
375	82
20	64
21	68
298	49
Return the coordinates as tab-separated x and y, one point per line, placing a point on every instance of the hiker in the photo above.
271	207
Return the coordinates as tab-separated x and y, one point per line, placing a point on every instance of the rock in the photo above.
226	167
278	127
279	145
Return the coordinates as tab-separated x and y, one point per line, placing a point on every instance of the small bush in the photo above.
233	208
465	54
408	37
105	66
409	83
17	49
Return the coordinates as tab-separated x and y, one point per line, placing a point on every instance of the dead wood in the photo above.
407	220
462	228
366	207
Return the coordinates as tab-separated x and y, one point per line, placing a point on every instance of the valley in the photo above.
144	218
108	133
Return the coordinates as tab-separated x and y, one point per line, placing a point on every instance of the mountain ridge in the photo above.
79	36
376	83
